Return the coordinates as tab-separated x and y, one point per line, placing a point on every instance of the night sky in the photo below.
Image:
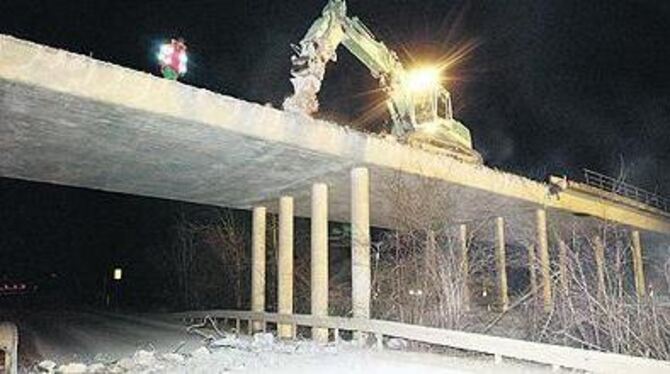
551	87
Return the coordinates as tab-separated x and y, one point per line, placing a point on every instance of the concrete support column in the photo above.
563	267
465	264
319	260
429	256
285	265
638	266
360	242
532	270
543	249
599	255
501	263
258	263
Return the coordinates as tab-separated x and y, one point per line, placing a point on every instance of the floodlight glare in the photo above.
423	79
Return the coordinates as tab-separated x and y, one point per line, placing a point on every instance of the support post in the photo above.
599	255
532	270
258	263
319	259
545	267
285	265
638	266
563	267
501	265
360	245
465	264
9	340
429	258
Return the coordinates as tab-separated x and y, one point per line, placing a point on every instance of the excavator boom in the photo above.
420	108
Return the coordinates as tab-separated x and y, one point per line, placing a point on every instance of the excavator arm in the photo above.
318	47
421	114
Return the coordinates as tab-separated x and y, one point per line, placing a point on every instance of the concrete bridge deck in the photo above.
72	120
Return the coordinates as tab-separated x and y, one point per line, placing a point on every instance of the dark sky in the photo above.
552	86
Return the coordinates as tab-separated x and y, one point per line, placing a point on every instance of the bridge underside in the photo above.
48	136
71	120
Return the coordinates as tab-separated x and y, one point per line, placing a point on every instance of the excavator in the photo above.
419	106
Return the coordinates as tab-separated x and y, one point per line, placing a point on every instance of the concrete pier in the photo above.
638	265
501	264
360	242
465	264
285	265
319	258
258	263
599	255
532	269
564	271
543	252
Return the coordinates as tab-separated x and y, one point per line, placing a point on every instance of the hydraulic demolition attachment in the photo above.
419	106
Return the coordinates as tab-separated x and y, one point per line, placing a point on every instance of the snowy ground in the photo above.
120	344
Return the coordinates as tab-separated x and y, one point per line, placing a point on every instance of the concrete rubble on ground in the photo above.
229	353
263	353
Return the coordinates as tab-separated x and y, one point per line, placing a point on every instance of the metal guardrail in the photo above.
556	356
609	184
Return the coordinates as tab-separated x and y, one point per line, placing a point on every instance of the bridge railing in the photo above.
619	187
555	356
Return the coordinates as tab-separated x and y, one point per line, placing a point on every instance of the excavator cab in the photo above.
424	107
431	106
434	125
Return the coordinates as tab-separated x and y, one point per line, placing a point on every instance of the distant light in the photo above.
165	54
416	292
423	79
118	274
173	55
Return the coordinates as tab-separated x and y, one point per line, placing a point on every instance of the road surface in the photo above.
87	336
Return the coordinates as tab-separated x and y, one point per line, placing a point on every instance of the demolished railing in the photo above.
553	355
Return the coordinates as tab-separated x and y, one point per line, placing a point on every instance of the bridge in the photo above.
71	120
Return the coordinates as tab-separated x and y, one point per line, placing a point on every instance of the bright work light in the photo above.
422	79
173	59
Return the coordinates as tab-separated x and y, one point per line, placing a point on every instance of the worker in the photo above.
173	59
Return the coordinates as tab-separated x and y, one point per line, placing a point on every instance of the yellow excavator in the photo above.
419	106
